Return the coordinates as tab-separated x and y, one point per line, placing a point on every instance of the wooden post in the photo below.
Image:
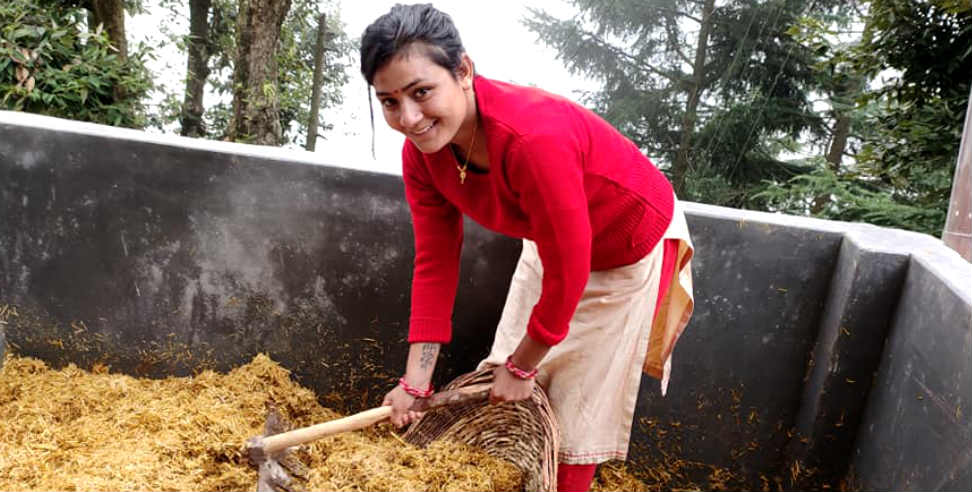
958	224
313	122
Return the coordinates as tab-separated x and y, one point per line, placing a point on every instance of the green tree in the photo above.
110	16
203	29
256	117
909	127
299	37
715	93
50	63
294	56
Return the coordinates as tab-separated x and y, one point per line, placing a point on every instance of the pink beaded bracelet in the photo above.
415	391
519	373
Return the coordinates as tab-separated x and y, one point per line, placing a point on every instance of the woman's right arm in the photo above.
437	226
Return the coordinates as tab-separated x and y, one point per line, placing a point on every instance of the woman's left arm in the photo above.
547	171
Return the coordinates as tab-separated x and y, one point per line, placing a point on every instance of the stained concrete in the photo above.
847	352
842	347
163	259
916	431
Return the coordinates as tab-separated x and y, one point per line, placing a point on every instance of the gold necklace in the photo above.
465	165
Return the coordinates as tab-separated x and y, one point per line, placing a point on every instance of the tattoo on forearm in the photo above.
429	353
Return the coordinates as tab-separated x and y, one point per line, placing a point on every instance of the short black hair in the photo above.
419	26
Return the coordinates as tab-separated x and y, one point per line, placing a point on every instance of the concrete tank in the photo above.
841	348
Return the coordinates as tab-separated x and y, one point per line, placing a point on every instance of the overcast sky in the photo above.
491	31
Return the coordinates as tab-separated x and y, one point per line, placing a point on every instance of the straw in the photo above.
71	429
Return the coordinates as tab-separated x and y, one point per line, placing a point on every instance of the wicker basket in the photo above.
524	433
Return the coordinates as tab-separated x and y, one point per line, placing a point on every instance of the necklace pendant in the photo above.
462	176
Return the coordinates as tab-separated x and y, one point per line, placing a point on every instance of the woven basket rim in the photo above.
524	433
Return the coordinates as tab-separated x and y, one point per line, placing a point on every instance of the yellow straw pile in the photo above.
71	429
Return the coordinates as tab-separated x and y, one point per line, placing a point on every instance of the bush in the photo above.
51	64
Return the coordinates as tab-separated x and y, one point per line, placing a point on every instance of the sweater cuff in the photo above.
426	330
542	334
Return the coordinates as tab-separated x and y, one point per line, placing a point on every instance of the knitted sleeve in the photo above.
547	171
437	226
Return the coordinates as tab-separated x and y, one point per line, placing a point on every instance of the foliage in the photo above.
51	64
755	83
853	197
296	62
909	129
295	59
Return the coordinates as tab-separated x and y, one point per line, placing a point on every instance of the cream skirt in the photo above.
592	376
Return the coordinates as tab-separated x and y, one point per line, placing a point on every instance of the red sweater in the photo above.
558	175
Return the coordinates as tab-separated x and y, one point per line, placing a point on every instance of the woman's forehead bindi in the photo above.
399	91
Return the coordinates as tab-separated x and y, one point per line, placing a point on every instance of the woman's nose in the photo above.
411	114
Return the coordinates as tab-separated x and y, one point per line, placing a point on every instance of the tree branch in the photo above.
632	61
673	41
680	13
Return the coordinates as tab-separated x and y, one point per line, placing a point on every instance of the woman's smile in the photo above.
423	130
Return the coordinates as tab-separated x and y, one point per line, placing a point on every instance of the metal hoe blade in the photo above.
275	469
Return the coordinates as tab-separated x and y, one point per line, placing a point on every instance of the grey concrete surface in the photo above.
916	431
867	280
845	348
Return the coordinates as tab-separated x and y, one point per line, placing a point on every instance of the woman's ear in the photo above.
466	71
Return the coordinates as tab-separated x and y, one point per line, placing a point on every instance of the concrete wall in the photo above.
845	348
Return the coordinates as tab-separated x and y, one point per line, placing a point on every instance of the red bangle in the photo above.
519	373
415	391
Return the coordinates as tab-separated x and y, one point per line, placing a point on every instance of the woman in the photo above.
605	243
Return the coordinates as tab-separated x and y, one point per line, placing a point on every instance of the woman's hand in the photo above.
507	387
418	373
401	402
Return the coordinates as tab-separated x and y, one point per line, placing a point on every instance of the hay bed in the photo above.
71	429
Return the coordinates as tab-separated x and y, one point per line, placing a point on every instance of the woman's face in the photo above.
424	100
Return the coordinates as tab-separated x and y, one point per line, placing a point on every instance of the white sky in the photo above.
501	47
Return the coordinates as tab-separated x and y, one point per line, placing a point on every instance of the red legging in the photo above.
577	478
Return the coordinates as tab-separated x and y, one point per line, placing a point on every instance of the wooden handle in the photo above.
360	420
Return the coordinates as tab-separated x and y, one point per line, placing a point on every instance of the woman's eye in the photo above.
420	93
388	103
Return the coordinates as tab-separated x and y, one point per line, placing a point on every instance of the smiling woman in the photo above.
606	252
425	89
425	101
